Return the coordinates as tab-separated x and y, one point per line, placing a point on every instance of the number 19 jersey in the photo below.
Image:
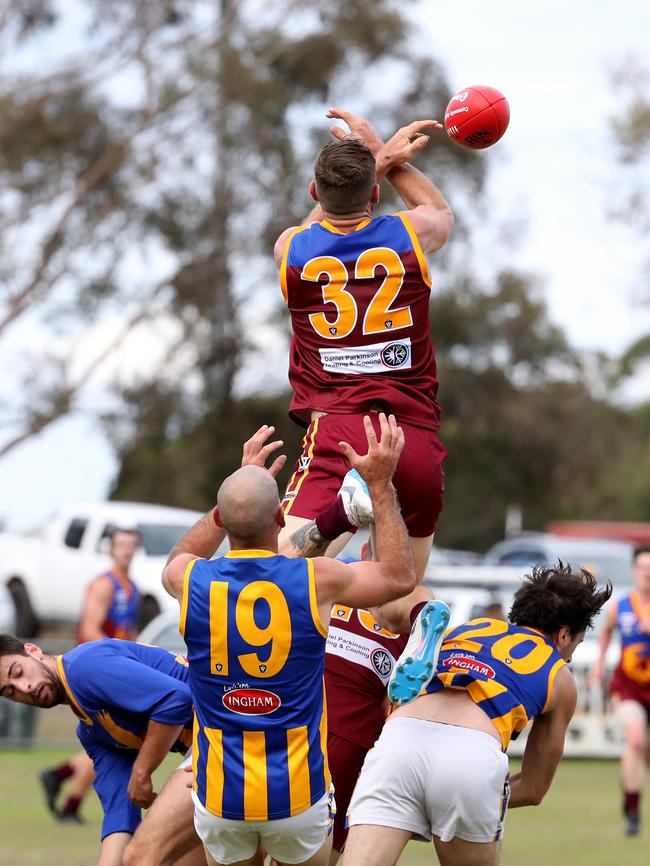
359	307
256	648
507	670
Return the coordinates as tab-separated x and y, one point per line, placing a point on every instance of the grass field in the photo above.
579	823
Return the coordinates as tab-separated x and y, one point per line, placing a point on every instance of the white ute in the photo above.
47	572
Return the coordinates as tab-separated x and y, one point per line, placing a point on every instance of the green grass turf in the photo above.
578	824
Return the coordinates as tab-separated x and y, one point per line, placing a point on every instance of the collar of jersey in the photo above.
64	680
330	228
249	554
537	631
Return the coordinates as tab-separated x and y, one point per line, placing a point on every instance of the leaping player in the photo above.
358	288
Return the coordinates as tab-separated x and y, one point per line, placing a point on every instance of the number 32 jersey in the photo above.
256	648
359	307
507	670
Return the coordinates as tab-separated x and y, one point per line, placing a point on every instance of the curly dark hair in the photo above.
555	596
345	176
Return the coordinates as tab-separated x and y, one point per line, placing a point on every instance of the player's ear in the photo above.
279	517
34	651
376	194
312	191
563	637
217	518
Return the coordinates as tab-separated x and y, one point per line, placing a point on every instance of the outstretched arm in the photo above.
428	210
597	672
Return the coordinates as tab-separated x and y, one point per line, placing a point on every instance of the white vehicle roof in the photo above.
136	511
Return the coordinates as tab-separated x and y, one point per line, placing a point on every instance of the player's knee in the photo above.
136	853
637	740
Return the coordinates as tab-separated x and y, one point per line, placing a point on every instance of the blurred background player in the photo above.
134	705
439	769
111	609
630	682
358	292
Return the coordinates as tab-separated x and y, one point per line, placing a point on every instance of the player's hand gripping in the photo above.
359	128
406	142
255	450
378	465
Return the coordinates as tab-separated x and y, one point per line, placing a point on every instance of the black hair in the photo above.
555	596
12	646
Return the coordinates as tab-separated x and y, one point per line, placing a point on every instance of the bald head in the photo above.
248	503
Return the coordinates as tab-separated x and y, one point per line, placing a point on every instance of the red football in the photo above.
477	116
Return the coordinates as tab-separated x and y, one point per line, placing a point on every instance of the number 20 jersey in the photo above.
359	307
507	670
256	649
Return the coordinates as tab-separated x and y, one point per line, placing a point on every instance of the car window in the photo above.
169	638
75	532
158	539
522	557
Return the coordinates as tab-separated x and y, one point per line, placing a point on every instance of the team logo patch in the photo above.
382	662
395	355
251	702
469	663
303	463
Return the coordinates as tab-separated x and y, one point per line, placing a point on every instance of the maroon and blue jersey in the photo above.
635	643
122	616
116	688
359	307
507	670
256	648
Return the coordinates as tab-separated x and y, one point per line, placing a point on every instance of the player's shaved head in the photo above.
248	503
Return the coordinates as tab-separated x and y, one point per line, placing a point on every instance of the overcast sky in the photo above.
554	172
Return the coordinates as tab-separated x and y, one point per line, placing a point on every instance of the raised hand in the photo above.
255	451
359	128
378	465
406	142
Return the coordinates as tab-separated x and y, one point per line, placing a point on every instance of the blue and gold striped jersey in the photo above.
507	670
256	647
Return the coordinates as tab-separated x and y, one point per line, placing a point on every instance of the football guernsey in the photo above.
359	661
116	688
507	670
635	643
359	307
256	649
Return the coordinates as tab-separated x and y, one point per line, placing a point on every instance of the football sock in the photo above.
632	801
333	521
64	771
416	610
71	805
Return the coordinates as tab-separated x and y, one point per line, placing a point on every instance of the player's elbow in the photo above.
404	580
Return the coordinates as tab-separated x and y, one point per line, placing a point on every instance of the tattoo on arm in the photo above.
308	541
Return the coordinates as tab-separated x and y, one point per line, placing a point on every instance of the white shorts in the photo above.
434	780
290	840
187	760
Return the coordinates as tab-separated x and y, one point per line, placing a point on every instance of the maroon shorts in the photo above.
625	689
345	760
317	476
